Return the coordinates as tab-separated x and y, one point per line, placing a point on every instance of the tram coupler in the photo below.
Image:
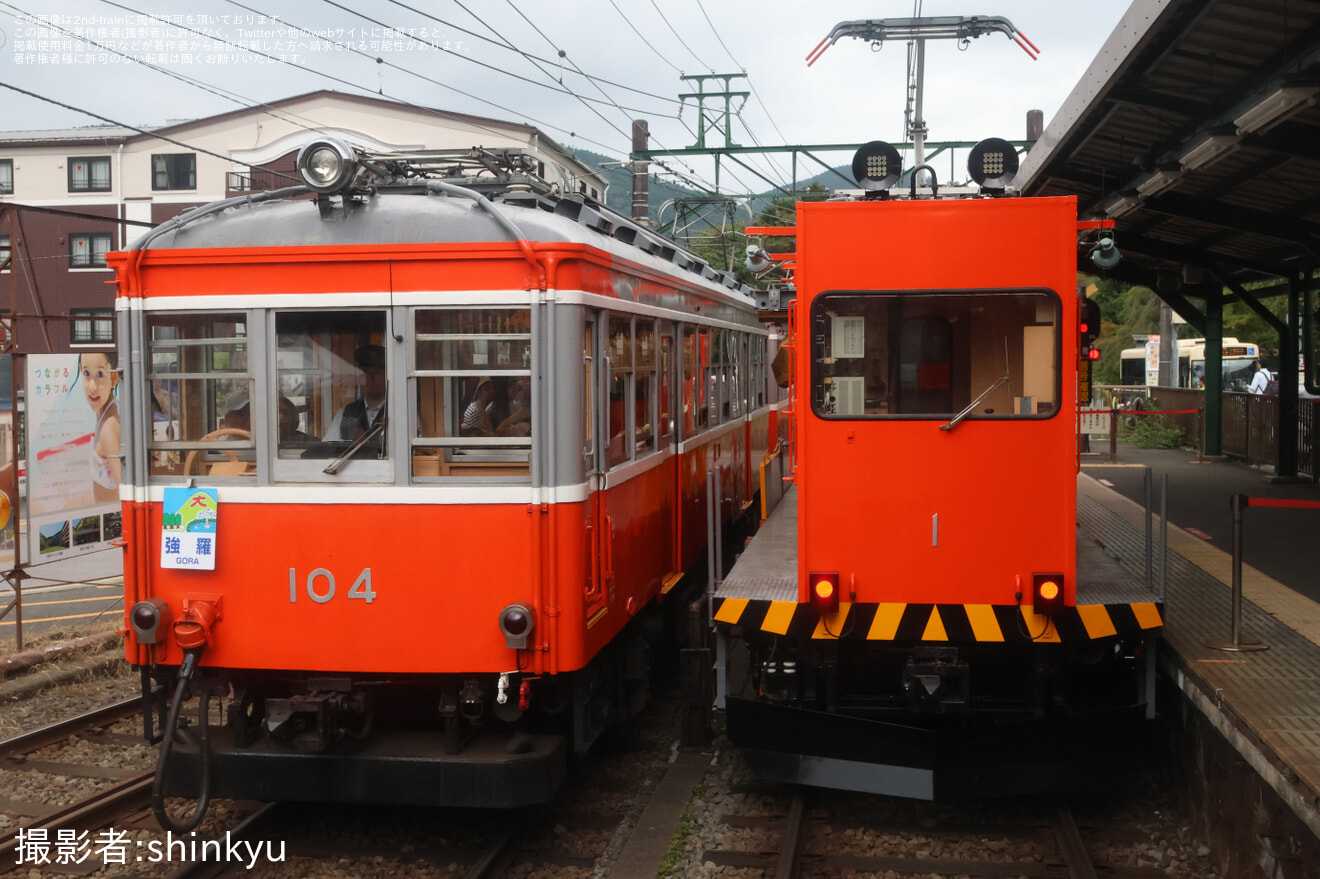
313	722
935	678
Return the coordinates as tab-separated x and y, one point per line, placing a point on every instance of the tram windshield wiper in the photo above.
357	445
955	420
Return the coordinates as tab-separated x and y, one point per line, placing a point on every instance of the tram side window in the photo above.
758	372
620	354
331	385
690	373
717	377
935	354
644	381
201	396
666	386
473	388
703	378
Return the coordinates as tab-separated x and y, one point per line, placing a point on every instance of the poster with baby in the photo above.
74	463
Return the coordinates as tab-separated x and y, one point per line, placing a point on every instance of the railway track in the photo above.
819	840
126	790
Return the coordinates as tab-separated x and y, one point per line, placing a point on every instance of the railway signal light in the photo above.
825	592
1047	593
1088	327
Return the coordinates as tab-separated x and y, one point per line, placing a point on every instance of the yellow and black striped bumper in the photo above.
941	623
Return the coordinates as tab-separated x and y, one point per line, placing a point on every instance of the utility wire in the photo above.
467	119
110	121
680	37
493	67
640	36
564	55
187	80
750	85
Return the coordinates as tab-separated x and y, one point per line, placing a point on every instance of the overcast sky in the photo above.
852	94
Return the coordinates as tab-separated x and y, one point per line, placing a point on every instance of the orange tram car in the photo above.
921	615
415	469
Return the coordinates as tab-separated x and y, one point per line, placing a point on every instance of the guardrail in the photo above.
1249	423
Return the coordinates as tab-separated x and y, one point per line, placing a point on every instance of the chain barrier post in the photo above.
1238	503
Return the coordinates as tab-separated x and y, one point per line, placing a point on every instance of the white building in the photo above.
69	196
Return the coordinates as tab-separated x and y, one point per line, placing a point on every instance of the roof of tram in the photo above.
1197	130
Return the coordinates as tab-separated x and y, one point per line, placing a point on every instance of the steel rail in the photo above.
95	811
794	834
1072	846
25	743
243	830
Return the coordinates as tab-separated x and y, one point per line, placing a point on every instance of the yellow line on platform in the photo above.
76	616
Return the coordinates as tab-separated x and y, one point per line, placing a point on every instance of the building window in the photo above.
6	176
4	251
92	326
88	251
89	174
174	171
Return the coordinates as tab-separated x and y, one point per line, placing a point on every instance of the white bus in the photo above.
1141	366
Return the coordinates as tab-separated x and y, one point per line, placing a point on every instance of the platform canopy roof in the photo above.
1197	129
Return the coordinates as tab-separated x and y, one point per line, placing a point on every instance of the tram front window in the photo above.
945	355
200	387
331	385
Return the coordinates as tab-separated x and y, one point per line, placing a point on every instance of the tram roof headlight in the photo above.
993	163
877	166
327	164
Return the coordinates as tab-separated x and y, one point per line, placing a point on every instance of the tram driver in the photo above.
368	410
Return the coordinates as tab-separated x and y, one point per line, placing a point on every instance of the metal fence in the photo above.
1250	426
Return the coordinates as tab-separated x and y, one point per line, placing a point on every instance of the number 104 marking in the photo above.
324	590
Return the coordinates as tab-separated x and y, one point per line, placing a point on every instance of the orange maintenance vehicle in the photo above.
921	615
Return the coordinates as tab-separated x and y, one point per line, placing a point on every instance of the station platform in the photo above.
1266	703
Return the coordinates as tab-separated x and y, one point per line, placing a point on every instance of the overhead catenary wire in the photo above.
675	32
562	54
241	100
357	87
750	85
305	122
705	185
460	55
643	38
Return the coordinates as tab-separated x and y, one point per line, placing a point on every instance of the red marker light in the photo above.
1093	354
1047	593
825	592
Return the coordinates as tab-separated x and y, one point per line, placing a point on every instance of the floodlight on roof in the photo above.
1208	149
1275	107
1158	181
993	163
877	166
1122	203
